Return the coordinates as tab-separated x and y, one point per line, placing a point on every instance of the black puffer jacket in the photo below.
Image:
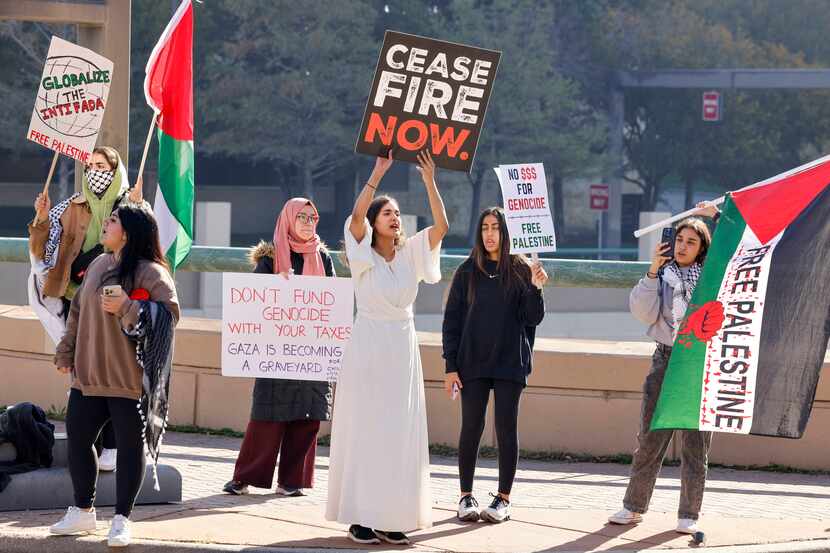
280	400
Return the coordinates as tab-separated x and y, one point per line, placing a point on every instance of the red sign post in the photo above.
599	197
712	109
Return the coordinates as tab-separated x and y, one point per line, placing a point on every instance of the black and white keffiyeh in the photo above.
99	181
50	254
682	288
154	352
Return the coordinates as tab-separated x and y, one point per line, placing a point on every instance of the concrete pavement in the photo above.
556	507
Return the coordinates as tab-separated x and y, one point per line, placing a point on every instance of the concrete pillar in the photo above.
112	40
410	224
648	242
213	228
612	221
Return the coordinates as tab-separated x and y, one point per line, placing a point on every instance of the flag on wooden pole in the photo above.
168	88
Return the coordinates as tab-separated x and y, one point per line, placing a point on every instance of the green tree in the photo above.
23	50
763	132
290	85
535	113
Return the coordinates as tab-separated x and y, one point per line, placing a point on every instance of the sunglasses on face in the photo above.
307	219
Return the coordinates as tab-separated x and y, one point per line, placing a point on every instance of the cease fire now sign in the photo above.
428	94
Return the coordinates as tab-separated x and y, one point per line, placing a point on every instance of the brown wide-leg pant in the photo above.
294	441
652	446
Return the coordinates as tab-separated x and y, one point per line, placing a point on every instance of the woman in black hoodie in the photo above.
494	306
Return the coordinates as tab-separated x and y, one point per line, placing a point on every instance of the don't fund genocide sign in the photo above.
428	94
71	100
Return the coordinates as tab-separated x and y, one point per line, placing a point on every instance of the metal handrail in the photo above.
565	273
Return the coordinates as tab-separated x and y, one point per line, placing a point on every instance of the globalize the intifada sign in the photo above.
428	94
748	353
71	100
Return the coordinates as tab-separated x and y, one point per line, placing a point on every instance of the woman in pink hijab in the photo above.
285	414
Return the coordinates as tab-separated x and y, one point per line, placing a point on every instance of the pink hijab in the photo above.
286	240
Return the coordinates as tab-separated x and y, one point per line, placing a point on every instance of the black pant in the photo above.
474	397
106	440
85	418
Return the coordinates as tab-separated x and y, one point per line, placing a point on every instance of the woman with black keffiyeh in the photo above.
660	300
118	348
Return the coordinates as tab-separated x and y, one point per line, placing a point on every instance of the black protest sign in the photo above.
428	94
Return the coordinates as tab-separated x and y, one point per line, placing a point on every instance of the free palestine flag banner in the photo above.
168	87
748	354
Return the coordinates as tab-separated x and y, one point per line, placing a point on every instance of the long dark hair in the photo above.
372	214
142	243
513	270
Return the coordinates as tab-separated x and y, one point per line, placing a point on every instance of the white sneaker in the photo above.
75	521
687	526
468	509
106	462
497	511
119	535
625	517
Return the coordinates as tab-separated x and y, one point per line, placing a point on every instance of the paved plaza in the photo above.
557	506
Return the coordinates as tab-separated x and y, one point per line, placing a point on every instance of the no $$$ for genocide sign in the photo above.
431	94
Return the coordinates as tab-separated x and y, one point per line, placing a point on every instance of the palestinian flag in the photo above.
748	354
168	87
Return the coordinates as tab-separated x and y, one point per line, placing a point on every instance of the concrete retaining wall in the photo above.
583	396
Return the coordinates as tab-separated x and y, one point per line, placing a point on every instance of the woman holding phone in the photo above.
107	379
379	464
660	300
493	308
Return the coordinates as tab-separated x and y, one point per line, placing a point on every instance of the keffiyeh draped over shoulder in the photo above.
154	352
682	288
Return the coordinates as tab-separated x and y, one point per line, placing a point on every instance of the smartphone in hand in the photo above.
454	391
112	291
668	238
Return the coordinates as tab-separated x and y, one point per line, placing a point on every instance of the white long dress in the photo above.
379	463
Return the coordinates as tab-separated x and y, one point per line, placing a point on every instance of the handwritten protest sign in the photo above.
295	329
428	93
71	100
526	208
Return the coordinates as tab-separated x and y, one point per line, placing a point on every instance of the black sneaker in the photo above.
361	534
285	491
396	538
235	487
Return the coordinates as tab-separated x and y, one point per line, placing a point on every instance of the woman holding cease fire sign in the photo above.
379	468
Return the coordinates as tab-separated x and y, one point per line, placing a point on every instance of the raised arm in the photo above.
361	205
440	225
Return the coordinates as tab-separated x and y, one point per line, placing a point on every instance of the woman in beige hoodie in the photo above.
106	376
